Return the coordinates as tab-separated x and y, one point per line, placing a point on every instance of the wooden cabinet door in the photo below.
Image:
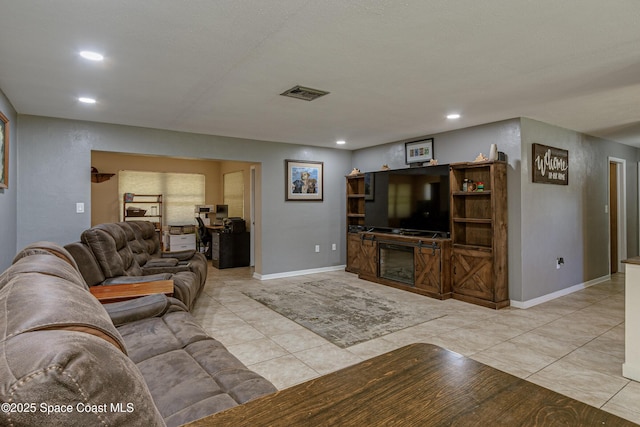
353	252
473	273
428	262
369	258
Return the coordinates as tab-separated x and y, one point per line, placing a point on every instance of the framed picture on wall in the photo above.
4	151
303	180
418	151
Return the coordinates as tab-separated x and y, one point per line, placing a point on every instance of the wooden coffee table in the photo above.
115	293
416	385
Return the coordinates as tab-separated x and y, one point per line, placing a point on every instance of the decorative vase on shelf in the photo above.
493	153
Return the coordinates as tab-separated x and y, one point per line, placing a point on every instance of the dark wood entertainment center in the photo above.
470	265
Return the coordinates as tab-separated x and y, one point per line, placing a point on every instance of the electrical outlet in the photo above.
317	248
333	247
79	207
559	262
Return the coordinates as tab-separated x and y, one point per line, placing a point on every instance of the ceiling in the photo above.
394	68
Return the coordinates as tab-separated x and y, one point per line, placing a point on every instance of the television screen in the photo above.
414	199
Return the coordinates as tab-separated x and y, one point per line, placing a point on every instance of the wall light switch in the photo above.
317	248
80	207
333	246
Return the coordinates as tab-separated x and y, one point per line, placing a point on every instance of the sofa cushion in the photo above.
148	236
72	368
138	246
142	308
108	242
87	263
46	248
61	303
189	374
186	287
45	264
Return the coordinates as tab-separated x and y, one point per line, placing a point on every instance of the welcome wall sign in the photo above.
550	165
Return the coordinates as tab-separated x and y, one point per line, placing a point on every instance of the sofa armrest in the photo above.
152	277
161	262
180	255
159	270
142	308
123	292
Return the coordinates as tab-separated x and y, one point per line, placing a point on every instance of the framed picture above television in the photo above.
418	151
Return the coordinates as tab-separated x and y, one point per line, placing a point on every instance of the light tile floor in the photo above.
573	344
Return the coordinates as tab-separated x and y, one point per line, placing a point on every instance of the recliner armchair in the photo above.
104	257
146	247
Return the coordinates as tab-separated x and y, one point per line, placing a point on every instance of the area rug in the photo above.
341	313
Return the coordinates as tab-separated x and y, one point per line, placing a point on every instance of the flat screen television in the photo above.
408	200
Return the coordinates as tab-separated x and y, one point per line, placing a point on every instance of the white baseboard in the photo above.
560	293
631	371
297	273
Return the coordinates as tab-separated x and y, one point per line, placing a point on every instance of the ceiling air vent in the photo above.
305	93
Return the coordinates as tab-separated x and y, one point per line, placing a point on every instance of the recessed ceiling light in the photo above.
92	56
453	116
87	100
341	142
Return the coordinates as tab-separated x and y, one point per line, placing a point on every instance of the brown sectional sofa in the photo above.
127	252
66	359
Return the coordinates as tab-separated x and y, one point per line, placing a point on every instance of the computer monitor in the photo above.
222	211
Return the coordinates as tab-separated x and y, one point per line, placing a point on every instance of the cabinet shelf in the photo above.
472	193
355	216
478	231
147	201
473	220
473	247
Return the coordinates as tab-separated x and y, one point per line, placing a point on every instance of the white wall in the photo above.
54	164
8	196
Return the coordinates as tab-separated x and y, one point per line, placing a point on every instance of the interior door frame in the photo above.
621	172
252	215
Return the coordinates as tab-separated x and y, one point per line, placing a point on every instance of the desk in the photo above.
229	250
114	293
416	385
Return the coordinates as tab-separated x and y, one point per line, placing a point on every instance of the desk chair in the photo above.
204	237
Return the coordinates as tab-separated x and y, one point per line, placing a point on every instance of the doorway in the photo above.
617	214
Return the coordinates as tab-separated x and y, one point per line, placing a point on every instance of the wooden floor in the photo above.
416	385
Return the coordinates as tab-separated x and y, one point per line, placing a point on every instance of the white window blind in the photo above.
180	192
233	193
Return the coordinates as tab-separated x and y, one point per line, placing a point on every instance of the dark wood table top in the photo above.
416	385
113	293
